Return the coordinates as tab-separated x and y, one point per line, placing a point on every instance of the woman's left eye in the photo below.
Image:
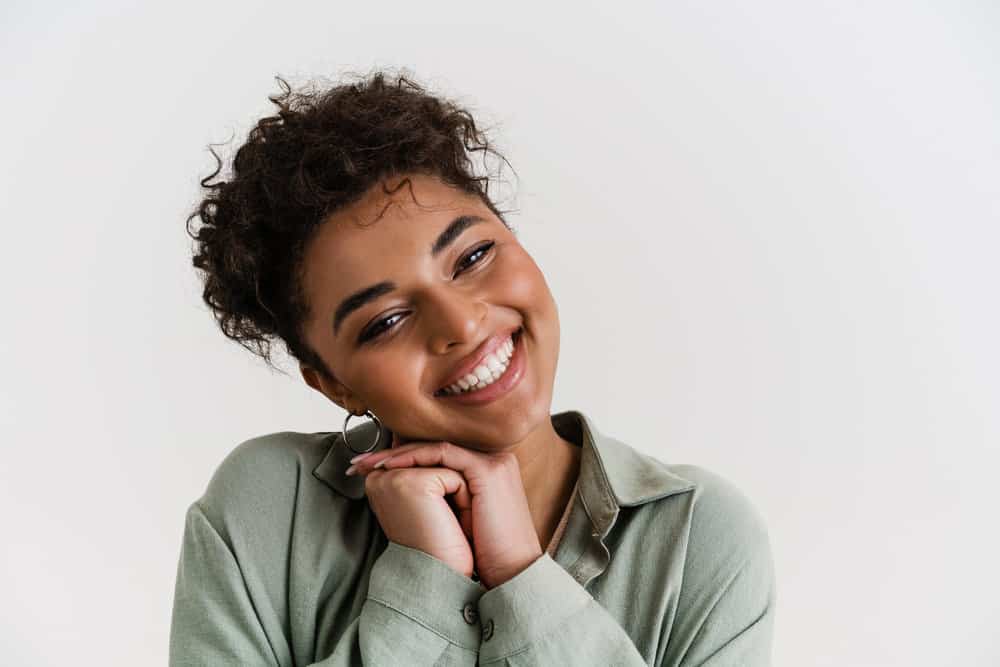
476	255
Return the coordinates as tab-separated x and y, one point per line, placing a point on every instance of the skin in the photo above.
514	472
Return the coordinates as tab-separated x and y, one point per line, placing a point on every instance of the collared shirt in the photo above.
283	563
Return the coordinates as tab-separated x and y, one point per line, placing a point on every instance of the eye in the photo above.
377	329
478	253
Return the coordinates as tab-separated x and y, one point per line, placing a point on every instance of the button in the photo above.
470	614
487	629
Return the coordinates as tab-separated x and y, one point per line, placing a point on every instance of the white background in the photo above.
771	229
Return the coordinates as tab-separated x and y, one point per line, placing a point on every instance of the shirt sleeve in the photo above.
738	628
417	611
727	607
543	616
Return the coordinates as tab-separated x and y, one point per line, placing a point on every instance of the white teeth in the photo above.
493	363
487	372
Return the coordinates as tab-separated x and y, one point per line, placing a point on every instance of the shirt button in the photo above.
488	629
470	614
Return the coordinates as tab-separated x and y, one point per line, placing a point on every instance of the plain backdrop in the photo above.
771	229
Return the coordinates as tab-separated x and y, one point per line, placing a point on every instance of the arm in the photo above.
403	620
725	614
738	628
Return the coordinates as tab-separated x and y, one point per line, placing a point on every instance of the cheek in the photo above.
388	376
524	284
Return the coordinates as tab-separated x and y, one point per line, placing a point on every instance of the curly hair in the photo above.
322	151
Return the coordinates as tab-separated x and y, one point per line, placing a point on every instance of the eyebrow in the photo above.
368	294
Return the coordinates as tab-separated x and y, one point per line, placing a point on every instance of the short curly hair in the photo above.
322	151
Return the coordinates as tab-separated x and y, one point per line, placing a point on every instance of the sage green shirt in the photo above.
284	563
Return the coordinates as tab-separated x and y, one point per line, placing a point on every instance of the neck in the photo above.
549	465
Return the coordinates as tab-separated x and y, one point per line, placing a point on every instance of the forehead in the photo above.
380	236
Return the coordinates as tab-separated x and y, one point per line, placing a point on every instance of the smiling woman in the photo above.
478	527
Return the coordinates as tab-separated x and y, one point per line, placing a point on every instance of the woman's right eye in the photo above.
376	330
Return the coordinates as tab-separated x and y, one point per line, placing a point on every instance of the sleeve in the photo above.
542	616
726	608
402	621
739	626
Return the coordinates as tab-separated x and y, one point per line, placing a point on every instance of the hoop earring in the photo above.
378	432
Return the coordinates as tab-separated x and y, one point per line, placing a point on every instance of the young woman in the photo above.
474	527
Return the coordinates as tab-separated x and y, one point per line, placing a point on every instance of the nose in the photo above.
454	318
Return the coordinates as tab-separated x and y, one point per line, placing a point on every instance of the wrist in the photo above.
494	577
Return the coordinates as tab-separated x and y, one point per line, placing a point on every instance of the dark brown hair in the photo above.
324	148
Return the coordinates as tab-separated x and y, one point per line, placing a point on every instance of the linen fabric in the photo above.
283	563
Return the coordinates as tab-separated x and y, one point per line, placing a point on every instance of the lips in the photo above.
466	365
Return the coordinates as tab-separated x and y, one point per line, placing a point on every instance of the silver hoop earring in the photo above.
378	432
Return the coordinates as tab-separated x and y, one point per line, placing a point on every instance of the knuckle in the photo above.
400	480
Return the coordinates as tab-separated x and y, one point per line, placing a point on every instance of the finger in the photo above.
445	482
375	458
370	460
453	484
443	454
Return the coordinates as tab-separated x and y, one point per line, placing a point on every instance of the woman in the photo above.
477	527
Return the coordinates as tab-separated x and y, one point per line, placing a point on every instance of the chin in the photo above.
519	422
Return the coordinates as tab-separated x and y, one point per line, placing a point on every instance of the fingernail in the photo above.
351	470
360	456
382	462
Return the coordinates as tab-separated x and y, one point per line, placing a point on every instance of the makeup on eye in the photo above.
374	332
485	247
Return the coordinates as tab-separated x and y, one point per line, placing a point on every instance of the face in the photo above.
444	299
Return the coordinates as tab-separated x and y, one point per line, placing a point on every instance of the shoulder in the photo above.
725	609
725	523
728	546
258	482
723	513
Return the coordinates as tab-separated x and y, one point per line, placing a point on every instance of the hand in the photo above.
411	507
491	505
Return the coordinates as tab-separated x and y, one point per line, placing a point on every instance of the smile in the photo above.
494	376
487	372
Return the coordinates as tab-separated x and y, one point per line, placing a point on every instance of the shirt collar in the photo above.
612	474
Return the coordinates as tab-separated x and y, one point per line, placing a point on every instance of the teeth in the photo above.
494	364
487	372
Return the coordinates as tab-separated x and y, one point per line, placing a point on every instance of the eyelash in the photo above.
374	332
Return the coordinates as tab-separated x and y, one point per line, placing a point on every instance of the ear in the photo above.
329	387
